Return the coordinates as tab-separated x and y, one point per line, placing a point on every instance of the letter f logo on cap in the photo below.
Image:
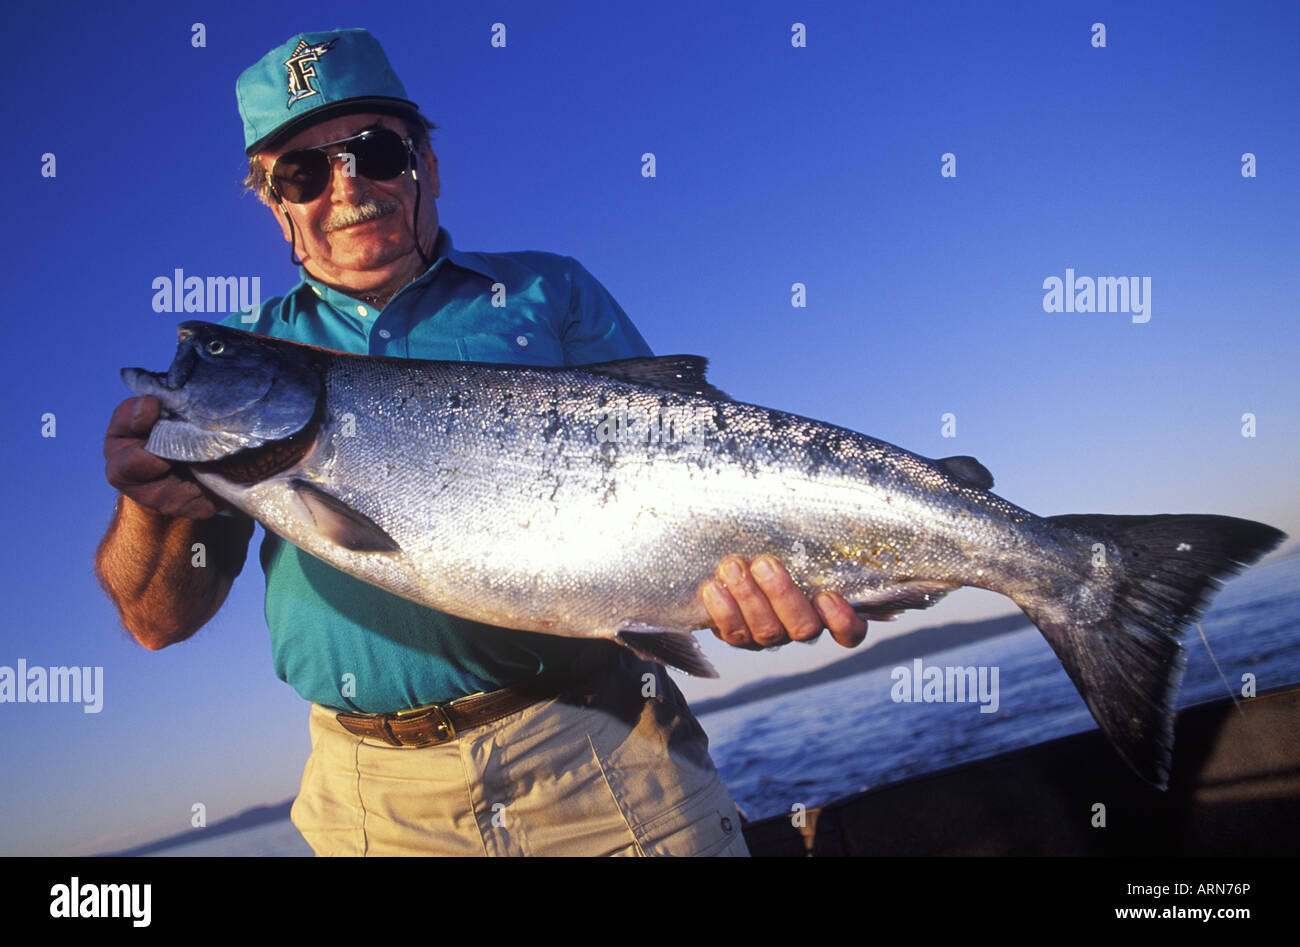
301	70
356	76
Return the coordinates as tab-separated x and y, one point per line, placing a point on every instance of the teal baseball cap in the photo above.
313	76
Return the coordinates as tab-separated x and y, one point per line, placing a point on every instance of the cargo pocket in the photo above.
674	802
703	825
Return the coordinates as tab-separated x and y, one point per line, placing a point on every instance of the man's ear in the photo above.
282	218
278	210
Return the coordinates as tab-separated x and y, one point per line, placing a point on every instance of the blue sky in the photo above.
775	165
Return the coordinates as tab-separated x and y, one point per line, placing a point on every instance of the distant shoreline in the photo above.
248	819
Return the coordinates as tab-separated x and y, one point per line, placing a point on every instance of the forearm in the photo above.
163	587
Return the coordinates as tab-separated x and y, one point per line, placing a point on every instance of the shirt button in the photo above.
362	311
521	341
316	290
385	334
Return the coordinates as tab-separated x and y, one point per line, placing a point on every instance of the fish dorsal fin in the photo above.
968	470
683	374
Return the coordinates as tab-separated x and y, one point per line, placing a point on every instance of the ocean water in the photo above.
824	743
818	744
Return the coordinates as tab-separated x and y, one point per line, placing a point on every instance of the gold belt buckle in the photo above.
446	731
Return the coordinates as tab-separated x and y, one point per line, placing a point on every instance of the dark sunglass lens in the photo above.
381	155
301	176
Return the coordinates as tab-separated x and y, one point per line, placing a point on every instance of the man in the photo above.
430	734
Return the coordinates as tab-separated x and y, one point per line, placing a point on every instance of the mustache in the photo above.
359	213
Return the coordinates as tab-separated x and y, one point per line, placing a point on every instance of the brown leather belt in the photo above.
440	723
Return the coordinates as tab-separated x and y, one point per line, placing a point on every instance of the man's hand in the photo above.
759	606
144	562
149	480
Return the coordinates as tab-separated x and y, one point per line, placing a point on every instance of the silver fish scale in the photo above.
514	506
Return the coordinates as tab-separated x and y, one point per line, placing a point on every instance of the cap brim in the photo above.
381	104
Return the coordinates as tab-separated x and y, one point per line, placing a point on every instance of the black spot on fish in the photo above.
553	425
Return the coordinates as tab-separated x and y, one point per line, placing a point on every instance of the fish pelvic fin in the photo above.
339	523
668	646
1117	623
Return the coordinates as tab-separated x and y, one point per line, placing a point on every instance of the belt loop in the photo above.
389	736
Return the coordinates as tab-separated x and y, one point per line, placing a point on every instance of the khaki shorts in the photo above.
602	770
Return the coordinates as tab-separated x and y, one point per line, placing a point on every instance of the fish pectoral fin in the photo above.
887	604
671	646
187	443
968	470
338	522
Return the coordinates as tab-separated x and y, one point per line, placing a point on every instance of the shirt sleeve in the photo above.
596	329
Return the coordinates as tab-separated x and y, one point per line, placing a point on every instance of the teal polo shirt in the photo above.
347	644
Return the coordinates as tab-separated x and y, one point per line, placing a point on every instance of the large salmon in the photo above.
592	501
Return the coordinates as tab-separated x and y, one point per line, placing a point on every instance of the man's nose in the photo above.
345	181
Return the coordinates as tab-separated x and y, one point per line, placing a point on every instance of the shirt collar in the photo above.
442	249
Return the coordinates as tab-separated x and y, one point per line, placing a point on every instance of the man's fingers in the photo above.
846	626
760	618
758	605
131	465
132	419
793	610
149	480
728	621
175	496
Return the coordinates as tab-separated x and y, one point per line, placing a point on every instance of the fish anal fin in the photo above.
669	646
886	604
340	523
967	470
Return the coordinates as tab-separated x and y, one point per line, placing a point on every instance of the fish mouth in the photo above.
168	388
142	382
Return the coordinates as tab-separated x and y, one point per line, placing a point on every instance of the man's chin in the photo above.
349	253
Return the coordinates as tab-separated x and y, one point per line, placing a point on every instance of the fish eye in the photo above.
216	347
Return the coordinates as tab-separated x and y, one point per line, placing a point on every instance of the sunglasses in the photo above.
301	176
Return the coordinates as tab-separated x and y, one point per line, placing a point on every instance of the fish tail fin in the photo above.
1117	621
